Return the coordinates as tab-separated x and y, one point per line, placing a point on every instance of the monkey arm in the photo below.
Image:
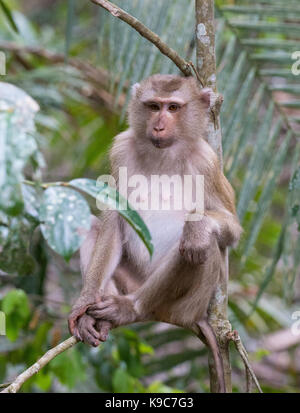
104	260
219	220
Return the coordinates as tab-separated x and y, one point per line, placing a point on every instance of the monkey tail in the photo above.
207	335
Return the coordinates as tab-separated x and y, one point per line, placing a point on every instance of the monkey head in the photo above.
166	110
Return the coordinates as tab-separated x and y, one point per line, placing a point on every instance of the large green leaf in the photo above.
15	306
8	15
17	144
65	217
113	199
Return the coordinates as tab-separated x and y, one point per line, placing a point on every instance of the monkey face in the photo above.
162	120
169	110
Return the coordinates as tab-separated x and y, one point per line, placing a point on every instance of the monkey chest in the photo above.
165	228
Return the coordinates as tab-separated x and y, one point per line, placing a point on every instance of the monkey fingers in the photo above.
87	331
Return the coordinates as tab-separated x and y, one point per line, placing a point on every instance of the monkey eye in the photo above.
173	107
154	107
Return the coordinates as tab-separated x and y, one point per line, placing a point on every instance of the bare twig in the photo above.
99	76
96	76
15	386
2	385
196	73
147	33
234	336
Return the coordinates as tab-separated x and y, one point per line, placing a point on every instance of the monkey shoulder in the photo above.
123	139
121	147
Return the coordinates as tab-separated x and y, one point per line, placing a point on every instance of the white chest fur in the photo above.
165	228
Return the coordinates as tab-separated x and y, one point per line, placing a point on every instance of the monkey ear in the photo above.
206	95
134	89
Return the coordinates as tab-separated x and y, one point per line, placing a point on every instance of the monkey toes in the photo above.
193	254
117	310
91	331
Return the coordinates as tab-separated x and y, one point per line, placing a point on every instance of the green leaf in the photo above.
110	197
145	348
65	217
272	266
15	306
69	367
266	195
295	181
15	300
17	144
9	16
43	380
14	241
122	381
259	354
159	387
32	200
69	26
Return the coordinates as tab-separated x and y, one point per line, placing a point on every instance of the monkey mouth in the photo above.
162	142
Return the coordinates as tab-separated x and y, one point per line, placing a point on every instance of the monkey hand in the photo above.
76	313
118	310
196	240
79	308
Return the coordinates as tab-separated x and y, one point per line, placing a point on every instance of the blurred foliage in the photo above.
82	106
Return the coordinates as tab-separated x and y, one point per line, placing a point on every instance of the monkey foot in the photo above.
193	254
118	310
91	331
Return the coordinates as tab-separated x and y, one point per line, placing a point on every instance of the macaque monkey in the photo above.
168	118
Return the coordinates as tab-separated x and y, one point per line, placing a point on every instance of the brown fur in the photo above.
121	285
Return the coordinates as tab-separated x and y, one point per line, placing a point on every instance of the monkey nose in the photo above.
158	128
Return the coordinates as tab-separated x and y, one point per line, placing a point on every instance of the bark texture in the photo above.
206	66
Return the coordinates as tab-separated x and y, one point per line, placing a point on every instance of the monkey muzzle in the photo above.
161	142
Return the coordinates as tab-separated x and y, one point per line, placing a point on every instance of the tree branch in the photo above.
206	63
15	386
147	33
99	76
96	76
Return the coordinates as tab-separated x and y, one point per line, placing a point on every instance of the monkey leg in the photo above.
88	245
83	326
210	340
176	292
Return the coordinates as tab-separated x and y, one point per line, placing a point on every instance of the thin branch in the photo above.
15	386
3	385
96	76
234	336
196	73
147	33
